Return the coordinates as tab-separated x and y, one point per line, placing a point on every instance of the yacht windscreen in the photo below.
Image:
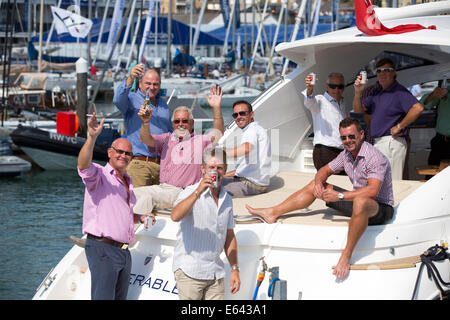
401	60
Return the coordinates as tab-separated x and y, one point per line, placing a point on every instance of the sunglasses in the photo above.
240	113
177	121
350	136
385	70
334	86
128	153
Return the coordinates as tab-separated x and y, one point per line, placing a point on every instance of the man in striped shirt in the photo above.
181	154
205	215
369	203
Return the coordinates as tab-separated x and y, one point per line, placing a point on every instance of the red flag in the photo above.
368	22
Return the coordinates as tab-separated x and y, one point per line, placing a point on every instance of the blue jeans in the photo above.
110	269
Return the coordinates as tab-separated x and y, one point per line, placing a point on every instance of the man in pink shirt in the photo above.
108	218
181	154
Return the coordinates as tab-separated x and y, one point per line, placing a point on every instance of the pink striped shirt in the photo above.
369	163
106	212
180	160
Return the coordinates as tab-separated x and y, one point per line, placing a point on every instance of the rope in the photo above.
435	253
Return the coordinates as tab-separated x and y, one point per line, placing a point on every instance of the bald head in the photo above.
120	154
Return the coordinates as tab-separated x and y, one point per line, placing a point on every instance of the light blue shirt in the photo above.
128	103
202	234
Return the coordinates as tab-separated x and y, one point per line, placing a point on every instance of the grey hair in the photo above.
335	75
183	108
214	151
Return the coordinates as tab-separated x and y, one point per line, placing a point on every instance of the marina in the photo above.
300	249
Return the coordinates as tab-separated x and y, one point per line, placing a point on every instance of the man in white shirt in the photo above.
327	110
253	155
206	221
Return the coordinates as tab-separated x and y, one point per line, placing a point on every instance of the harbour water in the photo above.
38	213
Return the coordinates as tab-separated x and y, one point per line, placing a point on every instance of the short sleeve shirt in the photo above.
387	107
202	234
369	163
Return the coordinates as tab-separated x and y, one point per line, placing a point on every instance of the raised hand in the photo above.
216	96
145	113
95	128
359	87
136	71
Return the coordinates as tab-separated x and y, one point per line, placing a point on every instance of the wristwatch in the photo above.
341	196
235	268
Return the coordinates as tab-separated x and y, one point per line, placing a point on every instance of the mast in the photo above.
298	21
169	39
41	26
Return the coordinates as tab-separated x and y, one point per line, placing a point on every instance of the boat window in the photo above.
33	99
401	60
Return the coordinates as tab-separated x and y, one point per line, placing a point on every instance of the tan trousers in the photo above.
195	289
160	196
143	173
395	150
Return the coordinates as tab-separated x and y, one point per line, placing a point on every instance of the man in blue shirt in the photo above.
144	167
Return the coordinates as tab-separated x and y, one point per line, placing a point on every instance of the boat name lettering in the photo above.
156	284
62	138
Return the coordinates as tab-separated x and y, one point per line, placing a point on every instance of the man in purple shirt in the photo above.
181	154
391	108
108	218
369	203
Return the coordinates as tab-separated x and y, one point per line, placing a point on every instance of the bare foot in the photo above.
342	269
265	213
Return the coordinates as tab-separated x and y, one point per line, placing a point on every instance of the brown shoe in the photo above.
79	242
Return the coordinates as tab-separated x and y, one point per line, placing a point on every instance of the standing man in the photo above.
392	109
254	155
369	203
327	111
144	167
108	218
440	144
205	213
181	154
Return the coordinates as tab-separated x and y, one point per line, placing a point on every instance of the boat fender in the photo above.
435	253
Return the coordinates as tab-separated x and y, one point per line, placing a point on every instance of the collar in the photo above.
207	193
392	87
112	172
185	138
331	99
250	124
362	151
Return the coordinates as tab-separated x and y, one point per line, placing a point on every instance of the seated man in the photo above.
181	154
252	173
370	202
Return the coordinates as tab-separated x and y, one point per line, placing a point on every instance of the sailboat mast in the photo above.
41	31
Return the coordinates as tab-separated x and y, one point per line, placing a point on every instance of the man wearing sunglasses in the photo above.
181	153
370	202
391	108
144	167
108	218
327	111
253	156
